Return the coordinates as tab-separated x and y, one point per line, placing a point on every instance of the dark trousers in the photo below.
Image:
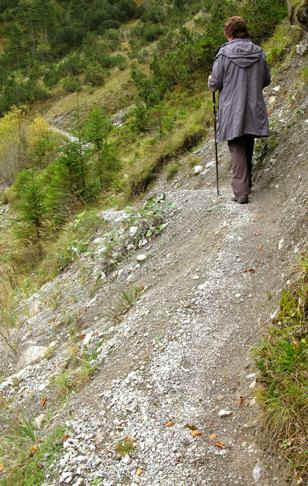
241	150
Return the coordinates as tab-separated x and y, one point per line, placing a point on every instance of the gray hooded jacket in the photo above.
240	73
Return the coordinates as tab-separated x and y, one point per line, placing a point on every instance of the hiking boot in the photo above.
240	200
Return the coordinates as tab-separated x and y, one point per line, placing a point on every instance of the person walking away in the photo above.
240	73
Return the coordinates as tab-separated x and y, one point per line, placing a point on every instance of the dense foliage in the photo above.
38	33
85	167
52	41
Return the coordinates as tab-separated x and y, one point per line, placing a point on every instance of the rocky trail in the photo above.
174	381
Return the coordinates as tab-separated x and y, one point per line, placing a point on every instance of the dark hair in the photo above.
236	28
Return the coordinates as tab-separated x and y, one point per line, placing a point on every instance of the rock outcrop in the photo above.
298	12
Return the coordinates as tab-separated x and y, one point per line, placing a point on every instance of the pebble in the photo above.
224	413
141	258
257	473
251	376
198	169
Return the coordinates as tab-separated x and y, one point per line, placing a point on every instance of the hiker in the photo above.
240	73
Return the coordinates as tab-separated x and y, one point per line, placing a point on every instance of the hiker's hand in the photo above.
209	83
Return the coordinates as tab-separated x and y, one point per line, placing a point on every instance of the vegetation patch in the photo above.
282	359
126	446
281	41
25	457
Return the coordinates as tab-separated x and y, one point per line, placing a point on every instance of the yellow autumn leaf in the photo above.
170	423
33	449
1	468
220	444
196	433
139	471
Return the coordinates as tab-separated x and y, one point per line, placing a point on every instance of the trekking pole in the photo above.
215	134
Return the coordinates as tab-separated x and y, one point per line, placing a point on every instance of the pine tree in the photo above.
30	207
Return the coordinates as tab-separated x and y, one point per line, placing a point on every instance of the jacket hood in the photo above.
242	52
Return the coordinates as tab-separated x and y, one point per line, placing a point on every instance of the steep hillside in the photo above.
132	365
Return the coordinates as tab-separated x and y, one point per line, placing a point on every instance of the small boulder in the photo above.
198	169
31	355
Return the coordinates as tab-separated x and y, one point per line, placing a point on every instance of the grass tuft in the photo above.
282	359
29	456
126	446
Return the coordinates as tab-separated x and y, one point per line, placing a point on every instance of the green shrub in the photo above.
141	117
30	206
71	84
263	16
96	128
152	32
94	75
71	65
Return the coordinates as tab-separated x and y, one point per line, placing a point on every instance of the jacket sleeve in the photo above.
216	79
267	75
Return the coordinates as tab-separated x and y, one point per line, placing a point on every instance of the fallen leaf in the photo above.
220	444
139	471
196	433
33	450
191	427
170	423
250	270
43	401
213	437
1	468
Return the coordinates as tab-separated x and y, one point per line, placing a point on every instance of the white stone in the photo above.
66	477
114	216
99	241
281	244
257	473
225	413
141	258
198	169
276	88
253	385
126	459
272	99
133	231
87	338
202	286
30	355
